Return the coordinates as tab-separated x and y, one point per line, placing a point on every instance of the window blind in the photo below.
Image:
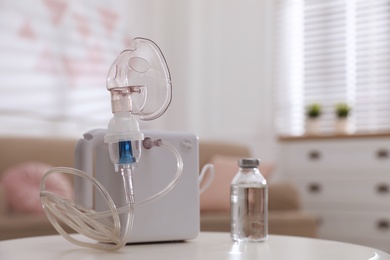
330	52
54	58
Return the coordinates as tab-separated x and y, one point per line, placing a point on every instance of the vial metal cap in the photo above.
248	163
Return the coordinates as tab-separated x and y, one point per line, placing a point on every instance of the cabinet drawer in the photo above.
370	229
348	170
355	153
341	193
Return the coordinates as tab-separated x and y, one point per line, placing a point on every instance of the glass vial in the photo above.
249	203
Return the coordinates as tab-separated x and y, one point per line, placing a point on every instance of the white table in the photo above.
206	246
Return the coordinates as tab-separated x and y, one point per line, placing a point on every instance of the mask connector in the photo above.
122	99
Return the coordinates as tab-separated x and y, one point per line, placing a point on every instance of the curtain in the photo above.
54	58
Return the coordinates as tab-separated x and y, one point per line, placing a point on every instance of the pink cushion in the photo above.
217	196
22	182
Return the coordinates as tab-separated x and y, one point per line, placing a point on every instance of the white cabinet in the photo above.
346	182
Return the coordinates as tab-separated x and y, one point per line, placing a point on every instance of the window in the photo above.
55	55
332	51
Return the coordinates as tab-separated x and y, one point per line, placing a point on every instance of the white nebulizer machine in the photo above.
131	186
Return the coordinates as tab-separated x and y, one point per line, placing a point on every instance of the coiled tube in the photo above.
98	225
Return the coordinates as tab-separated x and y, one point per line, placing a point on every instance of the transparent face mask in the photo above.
139	81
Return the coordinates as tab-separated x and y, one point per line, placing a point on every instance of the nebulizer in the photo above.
140	86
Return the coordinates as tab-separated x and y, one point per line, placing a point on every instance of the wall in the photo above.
219	57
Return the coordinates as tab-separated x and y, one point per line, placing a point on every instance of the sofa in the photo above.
285	216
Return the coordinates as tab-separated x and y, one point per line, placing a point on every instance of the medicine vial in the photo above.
249	203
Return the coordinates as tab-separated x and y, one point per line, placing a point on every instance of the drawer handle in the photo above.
383	225
314	155
382	154
382	188
314	188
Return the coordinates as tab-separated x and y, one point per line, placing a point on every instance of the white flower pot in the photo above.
341	126
312	126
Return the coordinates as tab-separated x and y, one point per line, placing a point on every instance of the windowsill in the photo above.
306	137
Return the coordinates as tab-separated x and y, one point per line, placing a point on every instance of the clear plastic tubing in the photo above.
98	225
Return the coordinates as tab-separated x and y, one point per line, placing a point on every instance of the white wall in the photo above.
219	57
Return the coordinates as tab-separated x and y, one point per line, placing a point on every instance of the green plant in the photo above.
342	110
313	110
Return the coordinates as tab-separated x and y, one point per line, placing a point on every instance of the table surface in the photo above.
207	245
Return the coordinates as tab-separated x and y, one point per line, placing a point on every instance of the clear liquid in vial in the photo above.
249	216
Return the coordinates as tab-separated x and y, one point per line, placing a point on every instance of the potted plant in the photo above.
342	110
313	112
